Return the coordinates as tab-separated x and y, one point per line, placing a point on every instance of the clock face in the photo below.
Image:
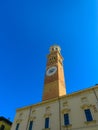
51	71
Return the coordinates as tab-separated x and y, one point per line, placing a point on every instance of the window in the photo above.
30	125
46	122
17	126
88	115
66	119
52	49
2	127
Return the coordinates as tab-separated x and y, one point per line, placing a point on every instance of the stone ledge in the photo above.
67	126
46	129
90	122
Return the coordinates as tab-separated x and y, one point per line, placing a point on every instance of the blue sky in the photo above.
27	29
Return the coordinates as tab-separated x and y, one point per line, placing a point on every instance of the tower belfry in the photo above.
54	83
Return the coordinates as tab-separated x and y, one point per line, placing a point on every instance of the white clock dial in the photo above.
51	71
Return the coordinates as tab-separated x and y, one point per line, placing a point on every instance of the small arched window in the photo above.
2	127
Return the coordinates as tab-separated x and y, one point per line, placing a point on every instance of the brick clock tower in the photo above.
54	84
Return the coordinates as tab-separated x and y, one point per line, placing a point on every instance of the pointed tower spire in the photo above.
54	84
